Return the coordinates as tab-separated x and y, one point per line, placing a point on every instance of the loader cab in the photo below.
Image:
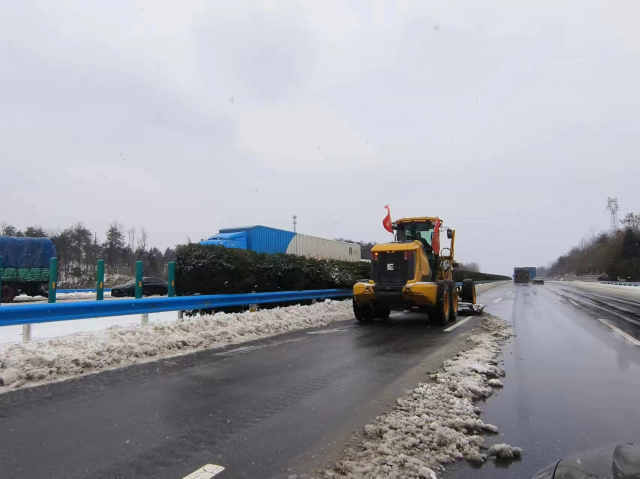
421	230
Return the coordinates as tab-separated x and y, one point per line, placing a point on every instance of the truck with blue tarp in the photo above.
263	239
25	266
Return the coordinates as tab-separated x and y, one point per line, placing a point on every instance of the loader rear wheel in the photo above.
453	311
439	315
363	313
383	313
468	292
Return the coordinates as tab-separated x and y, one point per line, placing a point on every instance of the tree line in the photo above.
615	254
79	249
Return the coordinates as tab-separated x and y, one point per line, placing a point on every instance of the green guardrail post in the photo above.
138	279
171	279
53	279
0	279
100	281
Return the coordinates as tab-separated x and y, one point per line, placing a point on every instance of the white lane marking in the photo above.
205	472
510	292
497	300
451	328
620	332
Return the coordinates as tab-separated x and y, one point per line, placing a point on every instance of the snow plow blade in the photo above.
469	309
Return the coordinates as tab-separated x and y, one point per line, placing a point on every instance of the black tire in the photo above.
8	293
363	313
468	291
357	310
453	307
383	313
439	315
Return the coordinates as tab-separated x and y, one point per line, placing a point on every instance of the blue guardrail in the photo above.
50	312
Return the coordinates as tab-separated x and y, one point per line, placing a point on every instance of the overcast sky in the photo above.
512	121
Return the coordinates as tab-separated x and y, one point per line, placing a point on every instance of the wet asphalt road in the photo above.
572	382
258	409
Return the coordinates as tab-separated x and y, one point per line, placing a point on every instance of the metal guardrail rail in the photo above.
50	312
621	283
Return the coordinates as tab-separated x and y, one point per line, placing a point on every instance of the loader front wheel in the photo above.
439	315
468	292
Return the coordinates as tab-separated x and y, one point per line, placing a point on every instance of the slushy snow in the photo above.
435	423
119	346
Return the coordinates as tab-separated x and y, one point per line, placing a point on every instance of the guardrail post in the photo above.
100	281
53	279
0	279
26	333
180	314
145	318
171	279
138	279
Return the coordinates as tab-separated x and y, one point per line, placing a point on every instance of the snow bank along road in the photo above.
573	373
262	409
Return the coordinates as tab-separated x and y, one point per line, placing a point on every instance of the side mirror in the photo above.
449	234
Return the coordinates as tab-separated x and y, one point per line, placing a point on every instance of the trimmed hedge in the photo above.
218	270
459	276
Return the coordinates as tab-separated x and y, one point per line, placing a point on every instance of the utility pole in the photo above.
295	222
612	206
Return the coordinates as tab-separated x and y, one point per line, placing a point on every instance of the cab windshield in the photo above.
415	231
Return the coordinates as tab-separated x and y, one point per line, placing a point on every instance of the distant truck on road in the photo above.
263	239
25	266
523	275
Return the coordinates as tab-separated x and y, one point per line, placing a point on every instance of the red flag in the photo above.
435	241
386	222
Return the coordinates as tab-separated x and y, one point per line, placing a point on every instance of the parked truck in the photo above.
263	239
25	266
522	275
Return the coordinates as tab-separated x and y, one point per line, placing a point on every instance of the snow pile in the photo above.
121	346
436	423
23	298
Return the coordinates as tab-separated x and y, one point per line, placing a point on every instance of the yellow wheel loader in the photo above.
407	274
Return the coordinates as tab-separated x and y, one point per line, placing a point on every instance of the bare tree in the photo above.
144	239
131	232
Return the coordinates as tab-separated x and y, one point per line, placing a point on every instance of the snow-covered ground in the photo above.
13	334
436	423
119	346
628	292
23	298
